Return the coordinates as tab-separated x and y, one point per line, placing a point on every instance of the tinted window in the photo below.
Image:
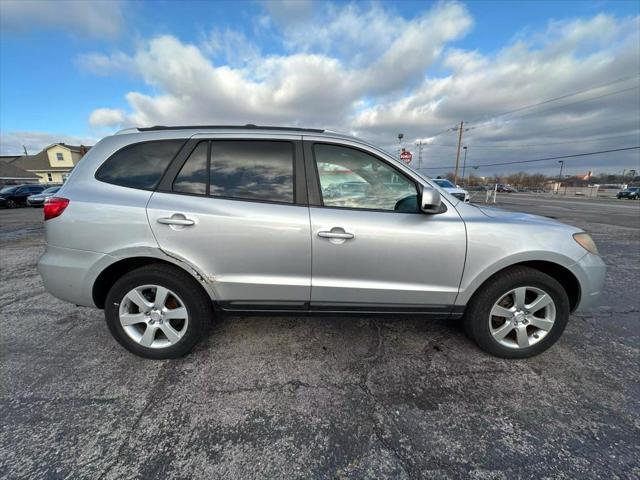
51	190
193	176
350	178
252	170
8	189
139	165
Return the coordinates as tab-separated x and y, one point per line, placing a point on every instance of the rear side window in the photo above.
140	165
193	176
239	169
252	170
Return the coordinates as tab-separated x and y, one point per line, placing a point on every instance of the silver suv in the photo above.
163	227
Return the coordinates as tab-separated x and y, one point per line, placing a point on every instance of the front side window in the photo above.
139	165
350	178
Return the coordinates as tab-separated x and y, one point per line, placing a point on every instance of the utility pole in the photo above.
420	145
25	150
464	164
561	162
400	137
455	173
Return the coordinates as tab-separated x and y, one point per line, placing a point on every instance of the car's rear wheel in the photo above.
11	204
518	313
158	312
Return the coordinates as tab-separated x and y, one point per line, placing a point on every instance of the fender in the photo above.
472	280
206	280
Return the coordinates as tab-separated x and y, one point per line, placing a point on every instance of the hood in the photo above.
519	217
455	190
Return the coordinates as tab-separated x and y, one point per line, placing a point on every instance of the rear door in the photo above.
237	209
373	249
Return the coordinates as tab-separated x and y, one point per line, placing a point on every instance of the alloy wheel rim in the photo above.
153	316
522	317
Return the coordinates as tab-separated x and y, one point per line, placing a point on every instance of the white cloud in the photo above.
368	70
107	117
100	64
13	142
96	18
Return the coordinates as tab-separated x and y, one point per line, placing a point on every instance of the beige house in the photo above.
54	163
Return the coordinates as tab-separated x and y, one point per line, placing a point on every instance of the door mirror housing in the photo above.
430	201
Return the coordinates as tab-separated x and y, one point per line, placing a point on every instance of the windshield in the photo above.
51	190
444	183
10	189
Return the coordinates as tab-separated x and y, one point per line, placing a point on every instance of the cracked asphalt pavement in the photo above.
320	397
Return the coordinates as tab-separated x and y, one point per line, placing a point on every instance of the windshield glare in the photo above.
51	190
444	183
10	189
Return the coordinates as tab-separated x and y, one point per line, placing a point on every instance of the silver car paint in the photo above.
106	223
252	251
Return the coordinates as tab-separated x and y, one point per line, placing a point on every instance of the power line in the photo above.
518	147
539	159
544	102
555	99
568	104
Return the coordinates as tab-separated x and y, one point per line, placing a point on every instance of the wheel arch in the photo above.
110	274
562	274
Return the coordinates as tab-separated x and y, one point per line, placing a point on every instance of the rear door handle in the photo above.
175	220
341	235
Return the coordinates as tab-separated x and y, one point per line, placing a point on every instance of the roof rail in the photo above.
234	127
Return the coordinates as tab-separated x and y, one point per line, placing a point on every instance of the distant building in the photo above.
13	175
53	164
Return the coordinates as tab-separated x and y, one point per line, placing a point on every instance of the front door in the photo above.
233	211
373	249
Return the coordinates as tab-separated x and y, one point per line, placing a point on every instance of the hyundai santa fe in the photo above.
165	227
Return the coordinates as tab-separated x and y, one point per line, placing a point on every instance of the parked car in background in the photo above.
454	190
16	195
505	188
163	227
38	199
630	193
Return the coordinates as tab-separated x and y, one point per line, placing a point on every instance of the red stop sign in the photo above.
406	157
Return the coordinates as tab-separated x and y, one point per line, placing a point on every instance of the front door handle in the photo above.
176	220
338	233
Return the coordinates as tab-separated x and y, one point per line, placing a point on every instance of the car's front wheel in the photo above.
518	313
158	312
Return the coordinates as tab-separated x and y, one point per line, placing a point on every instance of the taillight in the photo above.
54	206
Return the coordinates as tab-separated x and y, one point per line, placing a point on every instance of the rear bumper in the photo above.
68	274
591	272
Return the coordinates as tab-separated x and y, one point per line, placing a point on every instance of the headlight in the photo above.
586	242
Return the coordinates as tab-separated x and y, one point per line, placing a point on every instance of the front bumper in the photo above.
591	272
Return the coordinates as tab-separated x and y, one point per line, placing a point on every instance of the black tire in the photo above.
196	301
11	204
477	313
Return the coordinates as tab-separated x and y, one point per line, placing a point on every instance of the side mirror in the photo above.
430	201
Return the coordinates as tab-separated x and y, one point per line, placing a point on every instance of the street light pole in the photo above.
400	137
464	164
561	162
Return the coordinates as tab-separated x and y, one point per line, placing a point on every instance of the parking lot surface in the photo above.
321	397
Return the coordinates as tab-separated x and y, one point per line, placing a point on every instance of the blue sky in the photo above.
81	70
